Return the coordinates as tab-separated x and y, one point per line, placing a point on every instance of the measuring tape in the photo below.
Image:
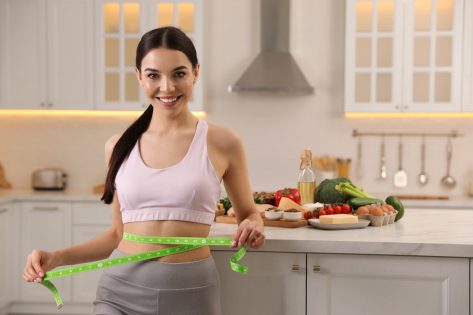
185	244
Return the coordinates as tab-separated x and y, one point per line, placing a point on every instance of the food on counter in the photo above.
357	202
264	197
290	193
326	192
397	205
286	203
292	214
227	204
273	213
329	209
260	207
219	210
338	219
350	189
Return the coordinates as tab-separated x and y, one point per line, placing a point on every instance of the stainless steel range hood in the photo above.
274	69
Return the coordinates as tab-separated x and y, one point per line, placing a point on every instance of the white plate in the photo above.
324	226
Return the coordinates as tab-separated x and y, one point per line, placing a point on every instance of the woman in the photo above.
163	179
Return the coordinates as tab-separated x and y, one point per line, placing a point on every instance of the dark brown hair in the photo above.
164	37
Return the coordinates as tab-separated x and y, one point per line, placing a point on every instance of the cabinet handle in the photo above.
2	210
316	269
295	268
45	208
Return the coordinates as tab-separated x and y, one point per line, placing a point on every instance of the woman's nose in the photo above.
166	84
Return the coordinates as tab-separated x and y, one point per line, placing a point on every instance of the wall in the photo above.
274	128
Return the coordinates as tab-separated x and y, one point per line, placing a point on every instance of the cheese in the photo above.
286	203
338	219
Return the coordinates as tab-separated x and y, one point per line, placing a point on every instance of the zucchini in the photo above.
357	202
397	204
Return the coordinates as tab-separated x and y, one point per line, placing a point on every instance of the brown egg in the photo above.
376	211
362	210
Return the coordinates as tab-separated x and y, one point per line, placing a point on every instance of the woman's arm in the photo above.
100	247
237	184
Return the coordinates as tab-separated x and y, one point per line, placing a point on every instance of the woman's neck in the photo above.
164	124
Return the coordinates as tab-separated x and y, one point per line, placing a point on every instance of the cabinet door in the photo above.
433	56
5	261
84	286
467	102
373	55
70	54
274	285
362	285
25	67
46	226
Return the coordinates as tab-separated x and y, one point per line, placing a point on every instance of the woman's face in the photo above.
167	78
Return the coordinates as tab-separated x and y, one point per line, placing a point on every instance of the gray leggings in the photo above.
152	287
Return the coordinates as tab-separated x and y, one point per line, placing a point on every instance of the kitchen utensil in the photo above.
383	174
448	181
359	156
423	177
400	177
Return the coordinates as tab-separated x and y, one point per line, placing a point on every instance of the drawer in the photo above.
94	213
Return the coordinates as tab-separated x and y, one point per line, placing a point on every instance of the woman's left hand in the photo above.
248	233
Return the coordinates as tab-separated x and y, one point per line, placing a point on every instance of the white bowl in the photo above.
273	215
292	216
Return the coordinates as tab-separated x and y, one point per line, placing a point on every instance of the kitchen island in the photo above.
419	265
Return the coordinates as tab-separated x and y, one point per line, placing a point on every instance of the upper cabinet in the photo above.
47	54
119	27
468	58
404	55
80	54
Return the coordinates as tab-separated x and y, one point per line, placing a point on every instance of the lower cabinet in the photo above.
47	226
5	261
274	285
388	285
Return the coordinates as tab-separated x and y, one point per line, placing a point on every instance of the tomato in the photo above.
322	212
337	209
346	209
328	210
307	215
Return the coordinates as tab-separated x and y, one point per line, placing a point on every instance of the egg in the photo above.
362	210
376	211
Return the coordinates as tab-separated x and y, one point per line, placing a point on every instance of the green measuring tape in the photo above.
185	244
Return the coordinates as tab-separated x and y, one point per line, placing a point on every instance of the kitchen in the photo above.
274	128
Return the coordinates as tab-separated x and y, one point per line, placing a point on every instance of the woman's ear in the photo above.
138	76
196	72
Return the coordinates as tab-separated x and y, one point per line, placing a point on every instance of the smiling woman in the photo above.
164	179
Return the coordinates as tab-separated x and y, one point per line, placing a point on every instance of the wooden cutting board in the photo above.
422	197
274	223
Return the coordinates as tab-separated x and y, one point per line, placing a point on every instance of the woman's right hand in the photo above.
37	264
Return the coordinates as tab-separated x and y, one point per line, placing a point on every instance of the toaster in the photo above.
49	179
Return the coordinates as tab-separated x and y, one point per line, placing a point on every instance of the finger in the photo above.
243	237
36	262
255	233
258	242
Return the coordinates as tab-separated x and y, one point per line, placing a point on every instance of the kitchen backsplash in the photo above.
273	128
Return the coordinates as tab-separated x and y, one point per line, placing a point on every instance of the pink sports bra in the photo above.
186	191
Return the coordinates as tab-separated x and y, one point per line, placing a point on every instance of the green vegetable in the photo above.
397	204
326	192
352	190
258	199
227	204
357	202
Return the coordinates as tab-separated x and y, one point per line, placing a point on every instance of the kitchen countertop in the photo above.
435	228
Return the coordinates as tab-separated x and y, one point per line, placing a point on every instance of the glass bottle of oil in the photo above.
306	181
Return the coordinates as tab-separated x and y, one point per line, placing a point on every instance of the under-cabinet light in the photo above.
408	115
84	113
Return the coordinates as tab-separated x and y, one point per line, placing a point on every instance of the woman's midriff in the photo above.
166	229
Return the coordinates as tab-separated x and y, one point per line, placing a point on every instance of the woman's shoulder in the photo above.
223	138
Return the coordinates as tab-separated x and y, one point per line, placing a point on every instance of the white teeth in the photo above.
167	100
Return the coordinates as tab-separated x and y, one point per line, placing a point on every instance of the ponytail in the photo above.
122	149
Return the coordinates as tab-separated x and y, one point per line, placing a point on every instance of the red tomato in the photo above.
307	215
328	210
337	209
322	212
346	209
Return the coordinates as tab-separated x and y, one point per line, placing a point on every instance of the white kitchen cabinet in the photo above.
5	261
274	285
48	54
468	59
120	25
363	285
46	226
403	55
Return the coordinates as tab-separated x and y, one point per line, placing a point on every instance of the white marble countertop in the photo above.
422	232
434	228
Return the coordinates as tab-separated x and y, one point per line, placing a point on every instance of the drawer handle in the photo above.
2	210
295	268
45	208
316	269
